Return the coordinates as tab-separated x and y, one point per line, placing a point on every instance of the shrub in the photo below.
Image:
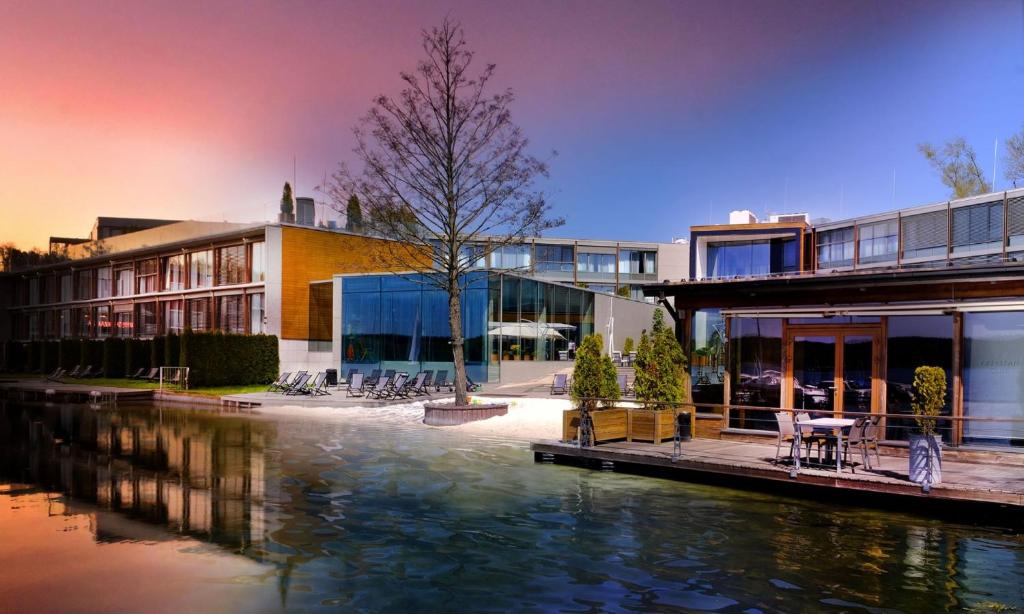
136	355
593	375
172	351
929	397
113	357
627	346
70	353
156	352
16	356
224	359
92	353
660	366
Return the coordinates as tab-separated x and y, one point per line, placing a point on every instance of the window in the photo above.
66	287
84	322
145	319
993	372
755	352
924	235
320	310
596	263
65	322
104	283
835	248
554	259
256	314
978	227
636	262
174	272
877	242
257	265
738	259
471	255
33	291
1015	221
914	341
511	257
149	276
200	270
232	265
199	314
33	325
124	278
84	284
124	321
174	317
103	324
231	314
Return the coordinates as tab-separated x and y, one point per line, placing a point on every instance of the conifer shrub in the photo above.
593	375
660	366
929	397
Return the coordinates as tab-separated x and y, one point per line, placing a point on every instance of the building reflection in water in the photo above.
196	473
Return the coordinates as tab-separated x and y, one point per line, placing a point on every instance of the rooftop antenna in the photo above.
785	196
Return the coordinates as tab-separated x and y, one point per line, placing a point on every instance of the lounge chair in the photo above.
355	385
86	372
389	375
429	380
138	374
299	385
379	389
471	386
397	387
319	385
371	380
74	372
419	385
152	375
57	374
560	384
351	372
441	381
281	383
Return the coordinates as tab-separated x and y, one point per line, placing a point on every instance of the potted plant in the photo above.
593	391
627	346
929	397
660	383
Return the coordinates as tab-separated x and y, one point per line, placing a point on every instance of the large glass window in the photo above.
84	284
554	259
636	262
321	305
65	322
33	291
978	227
232	265
596	263
256	314
756	358
199	314
915	341
104	283
258	264
835	248
878	242
149	276
200	270
174	316
707	357
994	378
146	319
511	257
104	326
174	272
125	281
85	322
66	287
231	313
738	259
124	321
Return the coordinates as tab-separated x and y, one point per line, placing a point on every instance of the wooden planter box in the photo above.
609	424
654	425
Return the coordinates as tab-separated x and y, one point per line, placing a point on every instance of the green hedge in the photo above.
156	352
136	355
45	356
172	351
16	356
70	353
113	357
219	359
91	354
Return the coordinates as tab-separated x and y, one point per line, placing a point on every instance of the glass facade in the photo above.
755	348
878	242
835	248
707	357
752	258
993	375
915	341
392	322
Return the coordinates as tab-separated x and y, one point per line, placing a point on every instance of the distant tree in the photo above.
14	259
287	201
628	345
353	214
1014	159
958	167
622	291
660	366
445	173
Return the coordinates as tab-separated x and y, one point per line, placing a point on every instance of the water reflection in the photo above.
376	511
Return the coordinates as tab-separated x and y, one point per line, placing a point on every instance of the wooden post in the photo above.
958	380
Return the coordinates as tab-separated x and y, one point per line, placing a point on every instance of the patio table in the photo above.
839	424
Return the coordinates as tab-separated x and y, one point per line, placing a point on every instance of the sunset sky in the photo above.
664	114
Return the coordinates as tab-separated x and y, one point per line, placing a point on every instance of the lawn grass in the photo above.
116	382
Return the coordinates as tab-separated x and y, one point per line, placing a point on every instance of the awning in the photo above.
905	309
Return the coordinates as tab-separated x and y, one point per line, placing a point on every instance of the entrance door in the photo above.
833	368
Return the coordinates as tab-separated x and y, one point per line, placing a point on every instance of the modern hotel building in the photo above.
141	278
837	316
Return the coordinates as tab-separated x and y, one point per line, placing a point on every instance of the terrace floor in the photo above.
987	484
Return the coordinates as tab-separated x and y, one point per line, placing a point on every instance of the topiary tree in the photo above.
287	202
929	397
660	366
627	346
353	214
593	376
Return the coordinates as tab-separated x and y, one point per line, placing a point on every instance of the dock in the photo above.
60	392
985	487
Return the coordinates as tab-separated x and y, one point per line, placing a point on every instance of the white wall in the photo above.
630	318
673	261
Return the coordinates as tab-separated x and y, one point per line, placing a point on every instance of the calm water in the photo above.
164	509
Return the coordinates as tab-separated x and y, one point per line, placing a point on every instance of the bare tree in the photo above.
957	165
1014	159
445	172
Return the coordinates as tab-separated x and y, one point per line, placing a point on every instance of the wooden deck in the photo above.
51	390
990	487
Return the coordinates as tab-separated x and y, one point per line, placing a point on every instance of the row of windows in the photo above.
563	259
200	269
233	314
975	229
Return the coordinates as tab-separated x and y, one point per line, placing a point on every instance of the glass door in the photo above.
833	369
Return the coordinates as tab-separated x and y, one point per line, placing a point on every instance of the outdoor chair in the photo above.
299	384
871	432
809	437
154	374
471	386
441	381
57	374
389	375
355	385
856	440
319	386
86	372
371	379
787	434
138	374
560	384
281	383
617	357
414	386
397	389
421	386
351	372
429	379
380	388
74	372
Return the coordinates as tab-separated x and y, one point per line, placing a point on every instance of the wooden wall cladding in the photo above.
315	255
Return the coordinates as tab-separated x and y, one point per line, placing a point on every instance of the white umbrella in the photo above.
528	329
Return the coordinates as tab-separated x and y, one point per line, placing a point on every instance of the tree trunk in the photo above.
455	320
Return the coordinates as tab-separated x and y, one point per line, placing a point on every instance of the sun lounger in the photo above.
471	386
419	386
398	388
380	388
74	372
86	372
152	375
560	384
351	372
441	381
319	385
355	385
372	378
138	374
281	383
299	385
